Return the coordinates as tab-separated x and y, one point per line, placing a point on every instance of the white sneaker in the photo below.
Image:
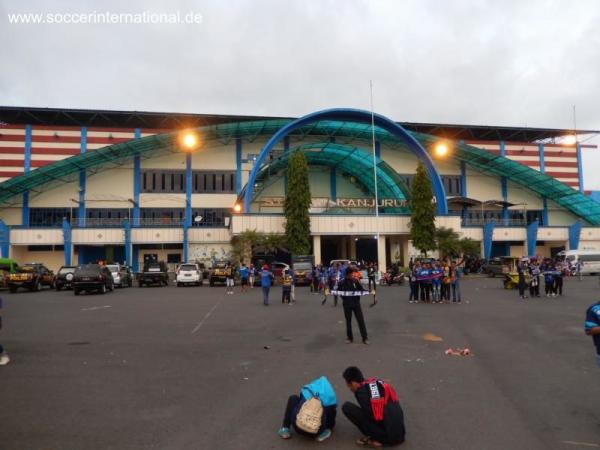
4	359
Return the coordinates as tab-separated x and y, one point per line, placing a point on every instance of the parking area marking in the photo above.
206	316
93	308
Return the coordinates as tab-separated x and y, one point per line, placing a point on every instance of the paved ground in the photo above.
192	368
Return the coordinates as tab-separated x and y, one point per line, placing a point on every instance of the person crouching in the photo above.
312	413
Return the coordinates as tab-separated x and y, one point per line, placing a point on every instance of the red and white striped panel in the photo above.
12	151
560	161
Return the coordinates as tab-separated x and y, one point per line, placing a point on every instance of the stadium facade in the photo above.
82	185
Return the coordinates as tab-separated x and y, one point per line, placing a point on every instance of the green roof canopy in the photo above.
115	155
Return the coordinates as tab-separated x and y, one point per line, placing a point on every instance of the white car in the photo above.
116	272
188	273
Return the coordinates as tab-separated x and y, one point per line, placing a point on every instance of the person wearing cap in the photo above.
266	279
351	291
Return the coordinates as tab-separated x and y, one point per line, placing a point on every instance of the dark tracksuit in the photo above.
352	305
389	431
293	407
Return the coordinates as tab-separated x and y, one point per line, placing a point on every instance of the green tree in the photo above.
451	245
250	242
297	204
422	219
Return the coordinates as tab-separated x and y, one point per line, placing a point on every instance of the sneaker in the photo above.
4	359
349	341
366	342
326	434
284	433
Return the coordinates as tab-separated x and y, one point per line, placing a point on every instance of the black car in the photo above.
154	273
64	277
92	277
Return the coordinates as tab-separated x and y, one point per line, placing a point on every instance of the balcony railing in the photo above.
479	222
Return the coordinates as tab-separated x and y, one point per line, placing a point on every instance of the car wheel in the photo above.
58	287
130	284
211	283
198	283
140	284
38	286
12	289
112	287
178	284
103	289
76	291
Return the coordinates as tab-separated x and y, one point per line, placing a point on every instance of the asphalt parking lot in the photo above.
194	368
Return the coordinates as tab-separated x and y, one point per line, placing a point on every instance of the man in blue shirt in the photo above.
244	277
592	327
266	277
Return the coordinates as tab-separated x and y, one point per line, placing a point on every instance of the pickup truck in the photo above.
219	272
154	273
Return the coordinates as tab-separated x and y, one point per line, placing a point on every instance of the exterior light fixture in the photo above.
569	139
189	141
441	149
237	208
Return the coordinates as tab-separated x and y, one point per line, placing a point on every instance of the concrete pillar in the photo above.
381	253
343	248
317	248
405	252
352	248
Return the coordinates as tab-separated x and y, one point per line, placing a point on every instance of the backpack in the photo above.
310	415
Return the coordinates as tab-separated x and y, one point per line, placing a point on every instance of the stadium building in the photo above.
81	185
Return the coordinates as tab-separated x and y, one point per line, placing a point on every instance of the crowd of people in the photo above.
434	281
531	271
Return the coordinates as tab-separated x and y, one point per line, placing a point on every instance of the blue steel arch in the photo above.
359	116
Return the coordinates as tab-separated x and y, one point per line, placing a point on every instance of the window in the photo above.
173	257
48	217
211	217
174	181
451	183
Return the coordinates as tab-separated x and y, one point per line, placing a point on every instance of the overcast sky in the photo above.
519	63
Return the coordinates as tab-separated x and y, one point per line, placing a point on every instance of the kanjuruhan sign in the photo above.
326	202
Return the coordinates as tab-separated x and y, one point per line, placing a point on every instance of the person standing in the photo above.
534	279
286	287
592	327
424	278
292	274
446	281
455	275
558	279
522	285
266	279
351	291
413	297
244	273
436	282
4	358
378	415
371	277
251	275
549	281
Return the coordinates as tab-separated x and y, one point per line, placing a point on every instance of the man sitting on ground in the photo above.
379	415
312	412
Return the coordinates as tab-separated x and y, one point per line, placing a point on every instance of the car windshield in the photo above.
25	269
187	267
66	270
113	268
303	266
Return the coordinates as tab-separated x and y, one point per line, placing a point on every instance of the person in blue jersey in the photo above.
251	275
266	279
244	272
592	327
534	279
549	280
424	277
436	283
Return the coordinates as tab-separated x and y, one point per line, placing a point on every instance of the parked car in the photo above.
278	268
7	266
500	265
121	275
219	272
154	273
31	276
64	277
188	273
92	277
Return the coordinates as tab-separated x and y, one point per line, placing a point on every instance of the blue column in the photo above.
82	179
188	204
463	185
137	179
26	169
579	167
333	183
135	265
68	243
4	239
532	232
378	149
238	164
574	235
127	236
504	187
488	238
545	219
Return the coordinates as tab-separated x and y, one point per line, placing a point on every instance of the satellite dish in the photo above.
198	219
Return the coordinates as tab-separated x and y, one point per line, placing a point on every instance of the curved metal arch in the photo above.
360	116
344	157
